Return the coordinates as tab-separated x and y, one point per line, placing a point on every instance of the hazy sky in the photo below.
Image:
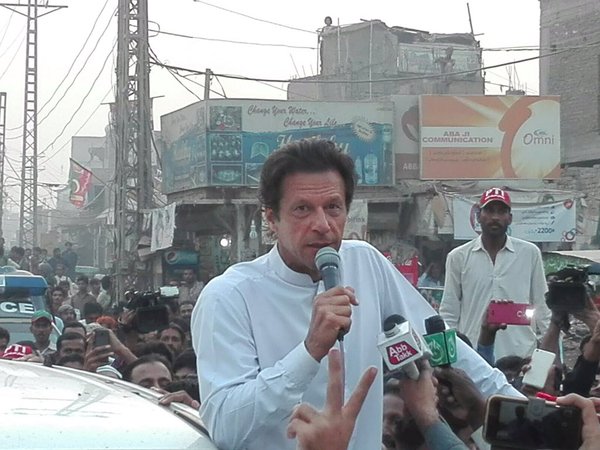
62	34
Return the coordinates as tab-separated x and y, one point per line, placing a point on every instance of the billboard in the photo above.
238	136
550	222
184	150
406	136
490	137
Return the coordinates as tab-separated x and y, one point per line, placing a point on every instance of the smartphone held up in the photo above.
531	424
509	313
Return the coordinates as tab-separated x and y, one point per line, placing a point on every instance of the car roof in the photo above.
20	279
56	407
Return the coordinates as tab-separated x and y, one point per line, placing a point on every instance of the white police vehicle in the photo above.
21	294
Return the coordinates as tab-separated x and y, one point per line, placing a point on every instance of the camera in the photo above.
567	290
151	307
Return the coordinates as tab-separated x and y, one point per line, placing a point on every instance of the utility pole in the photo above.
133	169
29	169
2	154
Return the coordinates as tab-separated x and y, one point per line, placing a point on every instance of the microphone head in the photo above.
327	256
391	321
434	324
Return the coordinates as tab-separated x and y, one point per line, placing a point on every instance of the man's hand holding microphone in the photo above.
332	309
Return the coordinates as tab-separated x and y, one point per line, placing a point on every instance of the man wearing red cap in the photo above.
495	266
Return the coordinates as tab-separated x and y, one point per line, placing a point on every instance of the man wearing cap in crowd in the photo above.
495	266
41	328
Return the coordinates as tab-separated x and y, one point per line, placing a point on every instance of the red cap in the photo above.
494	195
16	351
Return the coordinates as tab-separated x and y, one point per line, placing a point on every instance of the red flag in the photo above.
80	180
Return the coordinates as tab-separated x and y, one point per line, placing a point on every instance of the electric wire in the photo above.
289	27
230	41
12	13
411	78
10	63
84	65
80	104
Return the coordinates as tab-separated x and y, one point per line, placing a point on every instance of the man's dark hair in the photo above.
95	281
145	359
73	357
71	336
83	278
511	362
187	358
55	288
176	327
190	386
155	347
92	308
304	156
74	324
4	334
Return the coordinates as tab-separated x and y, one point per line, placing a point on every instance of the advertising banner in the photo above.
406	136
240	134
356	224
490	137
184	155
163	227
551	222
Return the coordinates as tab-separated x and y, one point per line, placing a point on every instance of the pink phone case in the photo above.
508	313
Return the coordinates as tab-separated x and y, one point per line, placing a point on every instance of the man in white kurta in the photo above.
248	332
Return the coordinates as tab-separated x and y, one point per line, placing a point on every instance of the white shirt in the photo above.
473	280
248	331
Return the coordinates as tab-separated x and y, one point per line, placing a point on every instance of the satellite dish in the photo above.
328	21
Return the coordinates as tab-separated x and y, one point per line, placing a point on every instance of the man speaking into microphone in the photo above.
263	329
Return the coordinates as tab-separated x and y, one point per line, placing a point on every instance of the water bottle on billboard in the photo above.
371	162
358	167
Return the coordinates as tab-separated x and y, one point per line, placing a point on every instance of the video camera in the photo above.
151	307
567	290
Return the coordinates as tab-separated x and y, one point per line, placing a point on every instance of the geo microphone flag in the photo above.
80	180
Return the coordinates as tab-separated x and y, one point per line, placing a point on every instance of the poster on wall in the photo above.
489	137
240	135
406	136
550	222
163	227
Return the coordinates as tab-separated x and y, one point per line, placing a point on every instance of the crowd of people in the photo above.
259	352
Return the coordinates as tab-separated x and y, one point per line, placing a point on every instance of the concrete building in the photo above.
570	32
371	50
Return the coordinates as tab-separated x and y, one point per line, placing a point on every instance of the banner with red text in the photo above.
490	137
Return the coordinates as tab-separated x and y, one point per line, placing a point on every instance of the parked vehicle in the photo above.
57	407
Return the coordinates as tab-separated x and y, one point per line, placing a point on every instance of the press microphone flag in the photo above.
401	346
441	342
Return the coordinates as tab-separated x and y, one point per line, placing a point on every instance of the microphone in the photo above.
401	346
441	342
328	262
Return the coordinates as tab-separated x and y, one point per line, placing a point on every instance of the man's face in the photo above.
92	318
72	346
153	374
82	286
41	330
68	315
57	299
185	311
312	215
3	344
189	277
494	219
173	340
60	270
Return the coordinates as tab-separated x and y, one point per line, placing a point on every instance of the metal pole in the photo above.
370	60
